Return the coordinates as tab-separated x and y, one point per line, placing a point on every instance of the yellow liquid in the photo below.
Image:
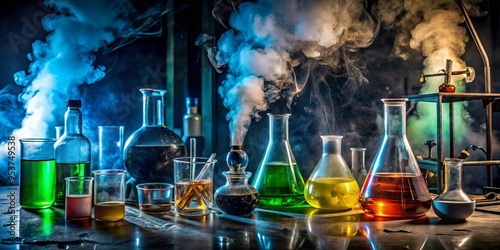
332	193
109	211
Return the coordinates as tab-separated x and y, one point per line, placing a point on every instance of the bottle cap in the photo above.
74	103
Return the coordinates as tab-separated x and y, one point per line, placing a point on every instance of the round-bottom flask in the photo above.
149	151
453	203
236	196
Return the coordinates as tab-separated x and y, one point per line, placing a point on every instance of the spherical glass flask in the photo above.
237	197
278	178
149	151
331	184
394	186
453	203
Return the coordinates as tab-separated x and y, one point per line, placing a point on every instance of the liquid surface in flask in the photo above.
333	193
277	190
399	195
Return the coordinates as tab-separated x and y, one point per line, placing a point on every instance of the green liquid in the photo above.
64	170
280	185
38	182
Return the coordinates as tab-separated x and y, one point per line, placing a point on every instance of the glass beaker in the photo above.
109	194
331	184
394	186
110	147
236	196
38	173
149	151
453	203
278	178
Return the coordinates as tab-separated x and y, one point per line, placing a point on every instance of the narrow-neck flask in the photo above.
358	168
149	151
72	149
237	197
453	203
278	178
331	184
394	186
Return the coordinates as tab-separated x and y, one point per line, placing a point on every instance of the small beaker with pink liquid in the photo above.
78	198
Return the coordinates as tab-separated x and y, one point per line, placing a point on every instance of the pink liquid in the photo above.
78	207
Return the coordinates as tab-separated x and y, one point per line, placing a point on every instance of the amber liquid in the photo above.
109	211
193	197
395	195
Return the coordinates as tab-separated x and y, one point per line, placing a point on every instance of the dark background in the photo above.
145	63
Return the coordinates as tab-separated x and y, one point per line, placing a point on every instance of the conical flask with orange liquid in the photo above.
394	186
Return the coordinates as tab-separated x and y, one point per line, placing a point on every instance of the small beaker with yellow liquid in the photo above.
331	184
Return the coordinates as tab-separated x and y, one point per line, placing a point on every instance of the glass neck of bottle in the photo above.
332	144
192	109
279	128
153	109
358	159
73	121
452	175
237	178
395	119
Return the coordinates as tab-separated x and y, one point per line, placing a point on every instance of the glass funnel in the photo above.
453	203
394	186
331	184
149	151
278	178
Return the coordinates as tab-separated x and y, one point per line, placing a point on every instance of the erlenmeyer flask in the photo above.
278	178
331	184
394	186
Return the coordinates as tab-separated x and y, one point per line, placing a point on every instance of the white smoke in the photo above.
436	31
77	32
271	39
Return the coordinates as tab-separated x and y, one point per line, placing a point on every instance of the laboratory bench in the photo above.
293	228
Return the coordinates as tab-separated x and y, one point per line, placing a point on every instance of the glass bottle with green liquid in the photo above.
72	150
278	179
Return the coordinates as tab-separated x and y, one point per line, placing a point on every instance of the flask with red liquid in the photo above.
394	186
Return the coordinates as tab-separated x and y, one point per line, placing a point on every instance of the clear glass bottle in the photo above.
453	203
278	178
237	197
394	186
149	151
72	149
358	168
192	123
331	184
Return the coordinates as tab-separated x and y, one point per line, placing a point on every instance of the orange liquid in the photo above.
109	211
395	195
193	196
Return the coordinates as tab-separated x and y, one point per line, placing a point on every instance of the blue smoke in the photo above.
78	31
